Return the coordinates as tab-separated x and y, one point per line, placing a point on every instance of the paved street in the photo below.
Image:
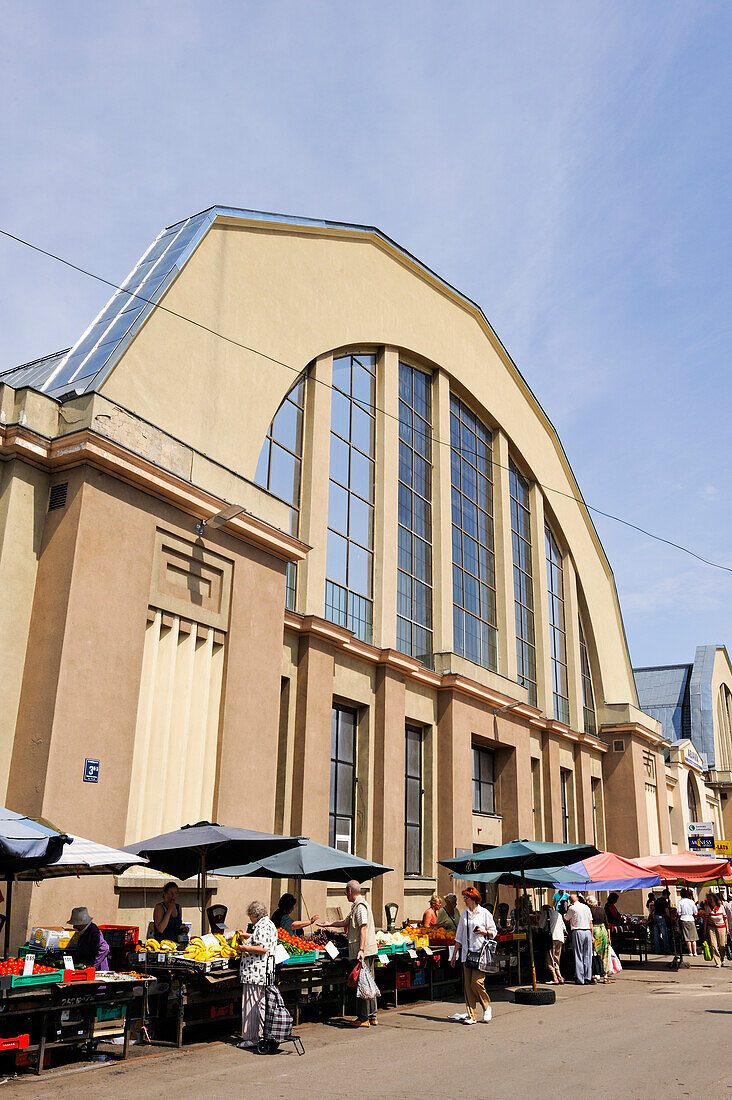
651	1031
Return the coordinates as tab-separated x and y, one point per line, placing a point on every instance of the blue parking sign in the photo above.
91	771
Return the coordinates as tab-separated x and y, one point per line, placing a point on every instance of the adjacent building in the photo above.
406	642
693	704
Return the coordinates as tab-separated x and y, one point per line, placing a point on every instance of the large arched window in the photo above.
523	585
350	558
280	462
414	572
473	560
588	697
691	799
557	628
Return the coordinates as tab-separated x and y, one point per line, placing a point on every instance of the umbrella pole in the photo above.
203	894
8	911
528	932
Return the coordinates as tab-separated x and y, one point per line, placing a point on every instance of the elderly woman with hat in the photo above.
88	946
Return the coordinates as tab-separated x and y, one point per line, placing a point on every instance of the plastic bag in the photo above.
367	987
353	977
615	964
707	950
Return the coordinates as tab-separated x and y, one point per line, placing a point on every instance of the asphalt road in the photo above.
652	1032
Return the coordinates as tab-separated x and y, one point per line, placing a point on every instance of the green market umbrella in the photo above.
517	858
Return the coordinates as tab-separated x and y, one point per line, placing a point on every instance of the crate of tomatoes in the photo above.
12	977
299	950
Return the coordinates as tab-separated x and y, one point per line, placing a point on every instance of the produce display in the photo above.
394	939
16	966
295	945
438	937
196	949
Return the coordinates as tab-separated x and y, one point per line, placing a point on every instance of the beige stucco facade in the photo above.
172	657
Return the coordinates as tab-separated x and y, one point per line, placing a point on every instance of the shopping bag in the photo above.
615	964
707	951
367	987
597	967
353	977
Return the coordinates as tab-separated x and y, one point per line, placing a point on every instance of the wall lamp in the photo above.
220	518
509	706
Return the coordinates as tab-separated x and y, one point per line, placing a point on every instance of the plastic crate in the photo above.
308	957
403	979
419	977
17	981
87	975
111	1012
20	1042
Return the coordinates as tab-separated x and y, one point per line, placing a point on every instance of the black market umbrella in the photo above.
25	845
206	846
519	858
309	860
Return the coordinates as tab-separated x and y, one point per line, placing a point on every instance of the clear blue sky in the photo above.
567	165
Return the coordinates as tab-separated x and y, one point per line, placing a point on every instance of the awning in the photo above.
685	865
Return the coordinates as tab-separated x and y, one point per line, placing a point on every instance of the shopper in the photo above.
600	936
687	911
362	946
476	924
552	923
282	916
716	925
429	917
448	915
88	946
168	916
659	919
579	919
255	953
614	918
728	910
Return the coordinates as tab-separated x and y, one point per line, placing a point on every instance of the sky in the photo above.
566	165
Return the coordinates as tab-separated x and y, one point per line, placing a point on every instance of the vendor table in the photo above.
631	942
68	1014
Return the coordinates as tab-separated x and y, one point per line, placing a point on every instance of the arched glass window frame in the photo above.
557	626
589	713
280	443
523	580
475	622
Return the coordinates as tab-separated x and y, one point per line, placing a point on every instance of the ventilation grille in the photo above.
618	746
57	499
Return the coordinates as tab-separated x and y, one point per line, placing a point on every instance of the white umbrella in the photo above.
85	857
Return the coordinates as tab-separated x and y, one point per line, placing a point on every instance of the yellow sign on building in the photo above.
723	848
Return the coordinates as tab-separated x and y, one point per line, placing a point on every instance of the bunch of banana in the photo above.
197	950
168	945
226	949
152	945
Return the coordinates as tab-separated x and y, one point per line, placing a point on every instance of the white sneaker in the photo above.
487	1016
458	1016
469	1020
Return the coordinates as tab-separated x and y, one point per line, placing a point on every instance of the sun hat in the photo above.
79	916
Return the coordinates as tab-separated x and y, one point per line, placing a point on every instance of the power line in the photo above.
367	407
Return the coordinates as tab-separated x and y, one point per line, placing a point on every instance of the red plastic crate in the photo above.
131	933
403	979
20	1042
87	975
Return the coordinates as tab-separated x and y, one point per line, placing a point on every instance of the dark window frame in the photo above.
340	760
484	789
412	781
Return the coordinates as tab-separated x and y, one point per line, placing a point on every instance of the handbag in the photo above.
598	970
353	977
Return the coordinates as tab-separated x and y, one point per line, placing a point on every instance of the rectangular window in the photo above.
557	632
414	533
342	816
537	801
413	793
566	795
484	801
588	701
473	560
598	814
349	555
523	584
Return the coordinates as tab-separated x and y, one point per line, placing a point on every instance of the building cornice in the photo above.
89	448
341	638
637	730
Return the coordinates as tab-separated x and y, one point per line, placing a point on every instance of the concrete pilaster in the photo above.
388	801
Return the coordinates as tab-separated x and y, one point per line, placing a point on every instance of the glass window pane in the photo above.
361	523
363	386
362	475
344	791
342	373
284	476
262	473
413	801
337	508
414	752
336	558
359	570
287	427
362	430
340	414
347	736
339	460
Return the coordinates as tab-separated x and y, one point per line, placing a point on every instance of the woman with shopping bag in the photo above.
475	939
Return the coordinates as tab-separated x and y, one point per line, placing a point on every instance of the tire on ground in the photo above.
529	996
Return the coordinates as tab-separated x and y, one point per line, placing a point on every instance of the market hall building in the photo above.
403	645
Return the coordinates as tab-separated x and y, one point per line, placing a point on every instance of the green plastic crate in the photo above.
308	957
17	981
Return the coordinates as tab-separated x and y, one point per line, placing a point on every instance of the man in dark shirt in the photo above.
660	923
